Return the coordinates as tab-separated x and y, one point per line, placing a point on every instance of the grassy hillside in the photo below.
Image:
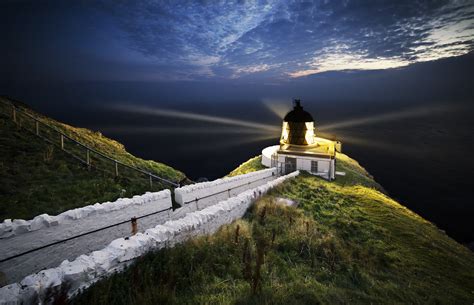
37	177
345	243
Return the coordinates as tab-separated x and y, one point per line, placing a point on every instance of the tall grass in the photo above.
345	243
37	177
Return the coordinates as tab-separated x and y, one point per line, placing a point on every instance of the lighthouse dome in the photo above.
298	127
298	114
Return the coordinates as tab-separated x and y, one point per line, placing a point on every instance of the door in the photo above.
290	165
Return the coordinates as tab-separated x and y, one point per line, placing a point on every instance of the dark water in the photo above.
423	160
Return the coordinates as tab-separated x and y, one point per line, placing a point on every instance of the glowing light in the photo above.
179	130
309	135
277	106
284	133
194	116
392	116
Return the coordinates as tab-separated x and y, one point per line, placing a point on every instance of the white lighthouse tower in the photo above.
300	149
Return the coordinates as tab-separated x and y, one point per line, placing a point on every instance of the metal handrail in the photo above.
166	181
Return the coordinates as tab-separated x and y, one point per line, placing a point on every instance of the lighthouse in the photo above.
300	148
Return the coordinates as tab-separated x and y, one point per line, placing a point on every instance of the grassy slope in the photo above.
347	242
37	177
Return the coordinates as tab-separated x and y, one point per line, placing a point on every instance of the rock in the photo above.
21	226
286	201
78	272
6	228
9	294
43	221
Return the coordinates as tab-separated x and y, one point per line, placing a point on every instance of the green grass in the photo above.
346	243
37	177
253	164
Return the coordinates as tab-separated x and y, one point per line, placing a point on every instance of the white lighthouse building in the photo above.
300	149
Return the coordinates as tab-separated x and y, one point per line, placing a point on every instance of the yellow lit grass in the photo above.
346	242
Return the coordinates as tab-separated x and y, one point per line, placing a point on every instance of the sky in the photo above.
391	79
253	41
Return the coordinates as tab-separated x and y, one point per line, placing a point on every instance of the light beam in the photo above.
194	116
386	117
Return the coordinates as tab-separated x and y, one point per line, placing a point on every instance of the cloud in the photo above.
230	39
340	58
238	71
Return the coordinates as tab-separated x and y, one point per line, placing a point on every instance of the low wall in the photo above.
21	236
27	235
202	194
86	269
207	193
267	154
160	200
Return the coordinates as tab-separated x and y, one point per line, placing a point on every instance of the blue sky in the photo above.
226	40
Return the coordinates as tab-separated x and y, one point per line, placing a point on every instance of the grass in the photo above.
253	164
346	243
37	177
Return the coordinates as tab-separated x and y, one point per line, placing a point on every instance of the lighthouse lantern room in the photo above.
300	148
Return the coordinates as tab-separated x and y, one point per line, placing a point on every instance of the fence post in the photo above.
88	159
14	113
62	142
37	128
134	225
116	168
151	182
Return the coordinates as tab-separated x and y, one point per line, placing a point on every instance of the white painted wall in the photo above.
74	223
208	193
20	235
86	269
74	219
267	155
326	167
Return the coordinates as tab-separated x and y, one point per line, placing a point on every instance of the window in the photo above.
314	166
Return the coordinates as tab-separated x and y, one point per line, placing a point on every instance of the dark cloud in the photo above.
228	39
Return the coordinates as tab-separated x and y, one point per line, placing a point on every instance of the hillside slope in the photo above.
346	243
37	177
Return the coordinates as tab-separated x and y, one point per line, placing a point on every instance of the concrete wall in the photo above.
86	269
21	236
326	167
267	155
142	203
207	193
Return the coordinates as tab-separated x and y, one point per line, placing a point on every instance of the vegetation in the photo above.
346	242
253	164
38	177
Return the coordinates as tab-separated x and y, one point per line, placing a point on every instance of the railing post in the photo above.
37	128
134	225
151	182
88	159
14	113
62	142
116	168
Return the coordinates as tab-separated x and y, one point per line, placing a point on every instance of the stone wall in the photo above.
86	269
208	193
